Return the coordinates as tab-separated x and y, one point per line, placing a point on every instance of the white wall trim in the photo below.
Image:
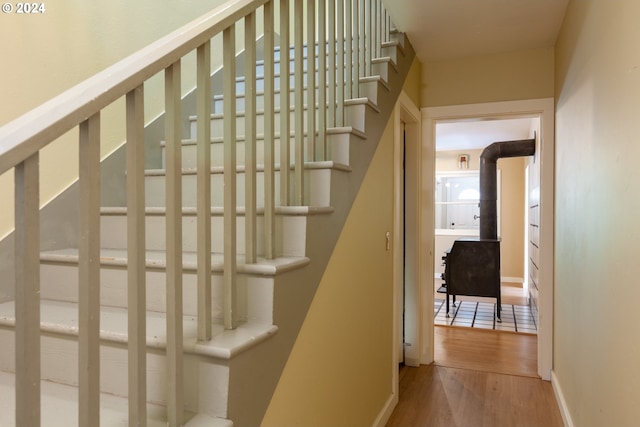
387	410
562	403
405	112
545	110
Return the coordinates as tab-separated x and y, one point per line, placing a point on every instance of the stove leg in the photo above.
447	302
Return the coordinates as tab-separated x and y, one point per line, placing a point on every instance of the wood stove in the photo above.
472	267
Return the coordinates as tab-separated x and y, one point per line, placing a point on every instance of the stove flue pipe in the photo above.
488	180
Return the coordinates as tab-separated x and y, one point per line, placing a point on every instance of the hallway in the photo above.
480	378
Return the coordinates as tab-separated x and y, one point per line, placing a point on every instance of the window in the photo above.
457	200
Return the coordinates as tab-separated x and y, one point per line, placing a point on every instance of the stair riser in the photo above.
60	283
290	233
217	124
218	104
399	38
60	365
338	145
260	82
316	183
381	69
277	63
391	52
190	153
355	115
371	89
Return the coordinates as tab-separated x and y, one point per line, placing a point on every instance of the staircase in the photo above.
238	318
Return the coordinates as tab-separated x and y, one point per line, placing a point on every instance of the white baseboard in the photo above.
562	403
387	410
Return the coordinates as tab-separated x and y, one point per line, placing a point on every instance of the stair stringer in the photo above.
254	375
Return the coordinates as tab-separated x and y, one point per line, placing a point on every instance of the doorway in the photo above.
542	109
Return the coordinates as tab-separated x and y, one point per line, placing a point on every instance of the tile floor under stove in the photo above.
474	314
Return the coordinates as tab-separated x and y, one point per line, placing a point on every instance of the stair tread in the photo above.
202	420
219	210
327	164
260	136
157	259
59	406
62	318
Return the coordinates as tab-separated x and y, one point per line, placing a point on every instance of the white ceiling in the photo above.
453	29
449	29
473	135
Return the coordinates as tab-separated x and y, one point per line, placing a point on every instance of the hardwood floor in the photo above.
486	350
480	379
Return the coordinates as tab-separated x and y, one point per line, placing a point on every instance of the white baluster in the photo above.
27	304
173	126
311	78
269	134
331	89
203	111
349	46
299	103
340	61
136	259
321	146
250	138
230	178
89	272
285	107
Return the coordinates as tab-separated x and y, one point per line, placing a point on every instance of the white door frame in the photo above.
407	117
544	109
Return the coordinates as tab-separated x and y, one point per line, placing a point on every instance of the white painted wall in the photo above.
596	320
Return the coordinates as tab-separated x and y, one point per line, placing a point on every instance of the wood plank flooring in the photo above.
486	350
479	379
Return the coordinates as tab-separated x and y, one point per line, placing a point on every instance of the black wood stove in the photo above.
472	267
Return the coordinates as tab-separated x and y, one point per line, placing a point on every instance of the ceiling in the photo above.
474	135
442	30
450	29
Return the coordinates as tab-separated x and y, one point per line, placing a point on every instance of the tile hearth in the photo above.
481	315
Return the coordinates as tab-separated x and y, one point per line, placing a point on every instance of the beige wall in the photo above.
413	82
44	55
504	77
512	202
448	160
338	373
596	346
